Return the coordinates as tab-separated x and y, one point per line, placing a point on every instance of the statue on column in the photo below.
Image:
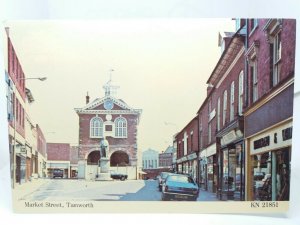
104	148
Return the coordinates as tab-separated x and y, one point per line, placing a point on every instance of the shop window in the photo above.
232	179
262	183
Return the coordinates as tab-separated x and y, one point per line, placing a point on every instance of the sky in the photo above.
161	66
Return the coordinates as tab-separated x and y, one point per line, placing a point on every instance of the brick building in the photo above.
245	122
227	80
20	159
269	111
58	157
188	148
165	158
42	152
110	118
73	161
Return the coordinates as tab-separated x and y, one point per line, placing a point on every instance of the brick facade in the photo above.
58	152
122	149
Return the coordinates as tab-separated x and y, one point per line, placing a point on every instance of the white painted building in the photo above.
150	159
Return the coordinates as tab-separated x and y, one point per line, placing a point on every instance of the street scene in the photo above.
81	190
167	110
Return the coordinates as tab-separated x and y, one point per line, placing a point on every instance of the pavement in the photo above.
22	190
207	196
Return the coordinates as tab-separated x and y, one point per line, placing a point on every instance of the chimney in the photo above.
87	98
7	31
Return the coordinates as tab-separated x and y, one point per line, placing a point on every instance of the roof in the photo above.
170	149
194	118
99	101
150	151
226	58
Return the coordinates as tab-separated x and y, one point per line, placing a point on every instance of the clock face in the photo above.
108	104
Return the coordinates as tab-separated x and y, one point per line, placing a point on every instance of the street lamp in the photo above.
14	116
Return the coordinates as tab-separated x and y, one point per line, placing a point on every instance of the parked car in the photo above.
57	173
161	179
118	176
179	187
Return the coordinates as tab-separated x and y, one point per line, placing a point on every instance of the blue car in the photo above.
179	187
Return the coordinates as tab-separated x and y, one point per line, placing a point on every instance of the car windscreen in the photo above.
183	179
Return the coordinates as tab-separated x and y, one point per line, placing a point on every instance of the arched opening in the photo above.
119	158
93	158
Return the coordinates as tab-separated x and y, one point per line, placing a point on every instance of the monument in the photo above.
103	167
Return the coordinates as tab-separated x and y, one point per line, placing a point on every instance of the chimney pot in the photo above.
87	98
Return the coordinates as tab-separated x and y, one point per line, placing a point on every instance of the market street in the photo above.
129	190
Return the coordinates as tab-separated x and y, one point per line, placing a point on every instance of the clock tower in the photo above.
112	119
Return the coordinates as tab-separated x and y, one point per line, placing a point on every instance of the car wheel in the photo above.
122	178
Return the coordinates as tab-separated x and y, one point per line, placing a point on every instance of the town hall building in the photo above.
111	119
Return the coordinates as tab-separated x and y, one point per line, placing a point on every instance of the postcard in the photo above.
150	115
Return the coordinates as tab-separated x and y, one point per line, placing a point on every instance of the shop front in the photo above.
203	170
231	166
58	165
270	157
208	174
20	164
188	165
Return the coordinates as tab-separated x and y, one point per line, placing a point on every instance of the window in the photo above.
224	106
17	110
253	74
276	58
209	132
218	114
13	60
253	24
120	127
241	92
232	101
96	127
192	144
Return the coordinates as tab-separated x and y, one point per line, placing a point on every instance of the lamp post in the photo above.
14	117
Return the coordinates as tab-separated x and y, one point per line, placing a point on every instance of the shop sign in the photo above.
275	138
192	156
230	137
202	154
182	159
211	150
263	142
